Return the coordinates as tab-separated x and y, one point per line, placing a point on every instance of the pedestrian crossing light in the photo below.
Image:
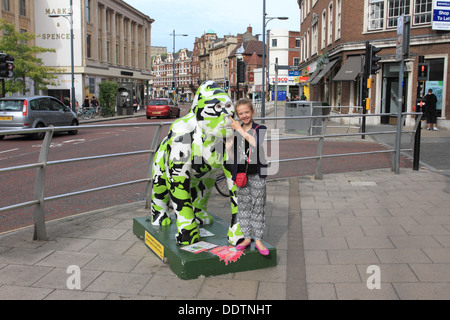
173	85
226	85
422	75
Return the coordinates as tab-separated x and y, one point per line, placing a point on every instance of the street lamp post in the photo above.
263	88
69	17
173	59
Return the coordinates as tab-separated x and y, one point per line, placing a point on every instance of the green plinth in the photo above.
188	265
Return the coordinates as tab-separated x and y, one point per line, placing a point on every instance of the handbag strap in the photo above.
250	148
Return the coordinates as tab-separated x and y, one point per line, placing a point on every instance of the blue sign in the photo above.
441	15
294	73
281	95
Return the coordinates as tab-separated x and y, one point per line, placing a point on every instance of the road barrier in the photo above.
39	201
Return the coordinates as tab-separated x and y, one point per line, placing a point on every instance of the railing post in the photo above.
149	184
40	232
319	173
417	136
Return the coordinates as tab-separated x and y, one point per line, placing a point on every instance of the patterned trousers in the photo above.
251	201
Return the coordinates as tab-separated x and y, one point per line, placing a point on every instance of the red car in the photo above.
163	107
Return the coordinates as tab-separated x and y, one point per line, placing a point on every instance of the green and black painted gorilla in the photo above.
186	164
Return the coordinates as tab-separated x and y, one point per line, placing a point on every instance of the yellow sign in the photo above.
153	244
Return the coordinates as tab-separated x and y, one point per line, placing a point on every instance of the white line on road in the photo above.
9	150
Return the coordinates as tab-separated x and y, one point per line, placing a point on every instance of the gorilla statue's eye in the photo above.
228	106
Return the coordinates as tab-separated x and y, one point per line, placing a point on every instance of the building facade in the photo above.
333	40
164	75
284	47
112	41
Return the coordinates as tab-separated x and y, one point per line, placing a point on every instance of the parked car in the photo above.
20	113
163	107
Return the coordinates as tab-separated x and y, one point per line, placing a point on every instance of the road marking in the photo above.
9	150
75	140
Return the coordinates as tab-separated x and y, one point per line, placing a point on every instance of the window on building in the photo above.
297	43
324	29
88	10
274	42
330	23
376	14
88	46
5	5
422	11
396	8
338	18
296	61
22	8
315	39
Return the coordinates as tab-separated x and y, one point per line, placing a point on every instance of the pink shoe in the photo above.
264	252
242	248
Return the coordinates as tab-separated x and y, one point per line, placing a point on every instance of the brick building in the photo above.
333	38
163	75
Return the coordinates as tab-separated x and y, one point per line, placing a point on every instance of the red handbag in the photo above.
241	177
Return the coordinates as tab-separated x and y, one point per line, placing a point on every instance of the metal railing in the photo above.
415	138
40	232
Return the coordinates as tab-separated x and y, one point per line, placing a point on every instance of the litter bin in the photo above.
310	126
297	109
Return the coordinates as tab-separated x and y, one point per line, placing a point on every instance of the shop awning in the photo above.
350	70
323	72
311	77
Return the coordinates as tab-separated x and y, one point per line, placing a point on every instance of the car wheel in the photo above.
73	124
1	137
148	117
38	135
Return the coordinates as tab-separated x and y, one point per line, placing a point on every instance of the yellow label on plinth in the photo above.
154	244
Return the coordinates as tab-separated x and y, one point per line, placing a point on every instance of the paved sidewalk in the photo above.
345	223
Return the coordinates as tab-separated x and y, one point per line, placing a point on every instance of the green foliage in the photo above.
27	64
108	96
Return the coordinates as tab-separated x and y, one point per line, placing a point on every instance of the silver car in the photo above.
35	112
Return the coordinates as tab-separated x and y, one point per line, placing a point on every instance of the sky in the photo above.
228	17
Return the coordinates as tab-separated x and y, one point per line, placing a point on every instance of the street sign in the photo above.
441	15
403	35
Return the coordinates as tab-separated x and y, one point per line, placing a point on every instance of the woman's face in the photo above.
245	113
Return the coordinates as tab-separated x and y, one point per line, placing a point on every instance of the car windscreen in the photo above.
11	105
157	102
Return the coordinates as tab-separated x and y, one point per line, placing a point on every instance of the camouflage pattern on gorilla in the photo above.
186	164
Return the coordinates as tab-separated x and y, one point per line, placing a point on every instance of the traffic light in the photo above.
371	65
6	66
173	85
374	67
422	74
226	85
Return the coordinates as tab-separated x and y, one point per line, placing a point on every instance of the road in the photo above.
18	187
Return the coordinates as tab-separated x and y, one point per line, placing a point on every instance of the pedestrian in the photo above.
67	102
430	110
303	97
246	150
86	102
135	105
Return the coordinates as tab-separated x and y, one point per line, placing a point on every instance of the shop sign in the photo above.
441	15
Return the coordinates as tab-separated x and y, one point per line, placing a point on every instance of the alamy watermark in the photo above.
74	280
374	280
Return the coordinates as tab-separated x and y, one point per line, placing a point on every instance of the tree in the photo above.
27	64
108	96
